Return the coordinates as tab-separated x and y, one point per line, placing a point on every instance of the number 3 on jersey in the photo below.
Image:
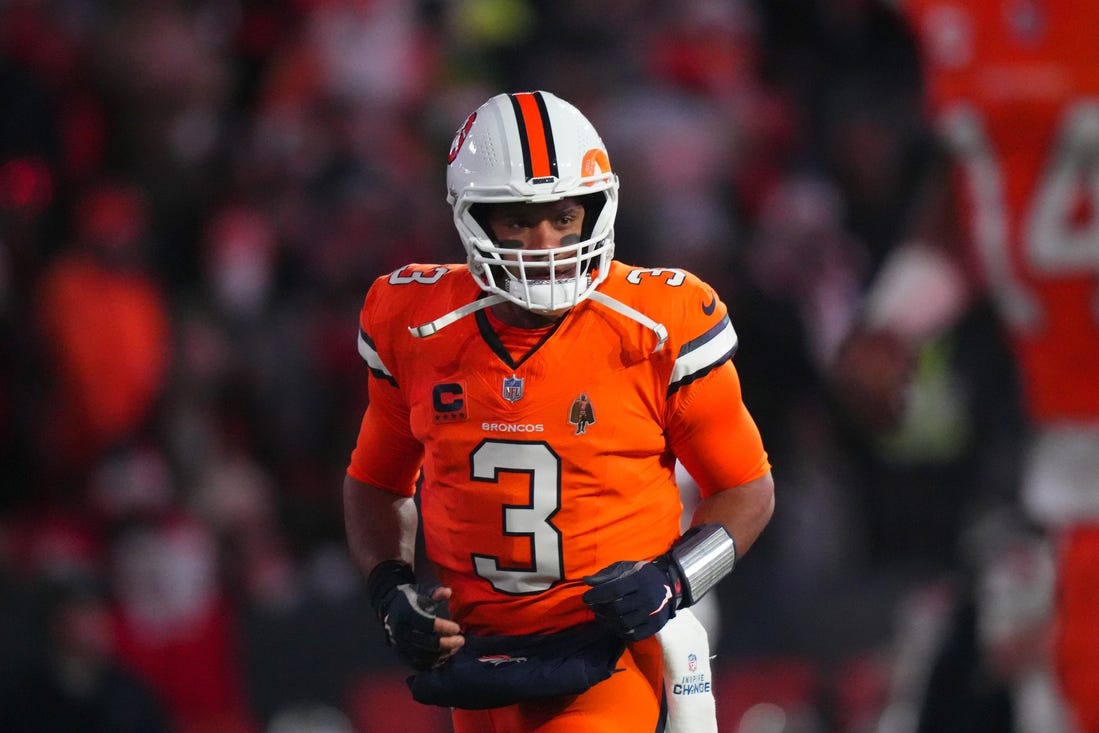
543	470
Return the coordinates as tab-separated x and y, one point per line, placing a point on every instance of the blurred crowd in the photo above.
195	196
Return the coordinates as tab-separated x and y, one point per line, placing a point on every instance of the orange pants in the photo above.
628	702
1077	640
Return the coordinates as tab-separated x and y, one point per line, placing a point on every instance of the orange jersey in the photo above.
539	471
1015	90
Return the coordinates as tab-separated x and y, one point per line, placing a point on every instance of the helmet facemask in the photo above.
545	280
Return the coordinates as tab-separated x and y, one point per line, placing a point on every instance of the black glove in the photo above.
407	613
633	599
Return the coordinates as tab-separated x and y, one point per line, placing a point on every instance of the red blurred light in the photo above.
26	186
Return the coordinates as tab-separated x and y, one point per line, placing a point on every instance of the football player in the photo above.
538	396
1014	92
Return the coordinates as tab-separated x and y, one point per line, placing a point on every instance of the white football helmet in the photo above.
533	147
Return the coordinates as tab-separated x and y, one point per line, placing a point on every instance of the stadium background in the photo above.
194	197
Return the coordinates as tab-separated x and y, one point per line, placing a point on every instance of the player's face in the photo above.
536	227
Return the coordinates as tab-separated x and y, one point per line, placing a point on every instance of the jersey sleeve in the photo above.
386	453
708	426
713	434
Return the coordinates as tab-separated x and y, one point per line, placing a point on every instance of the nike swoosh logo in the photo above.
708	308
667	597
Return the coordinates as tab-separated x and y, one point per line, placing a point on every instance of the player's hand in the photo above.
633	599
414	629
412	616
870	378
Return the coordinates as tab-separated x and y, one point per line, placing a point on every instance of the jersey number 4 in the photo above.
1052	242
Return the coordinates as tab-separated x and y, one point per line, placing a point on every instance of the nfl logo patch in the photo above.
692	662
513	388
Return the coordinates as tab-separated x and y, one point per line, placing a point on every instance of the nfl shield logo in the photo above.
692	662
513	388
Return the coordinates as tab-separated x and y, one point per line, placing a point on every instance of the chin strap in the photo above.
634	315
619	307
457	314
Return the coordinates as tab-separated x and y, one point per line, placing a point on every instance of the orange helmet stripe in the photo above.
535	134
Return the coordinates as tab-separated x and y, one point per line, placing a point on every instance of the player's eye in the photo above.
568	218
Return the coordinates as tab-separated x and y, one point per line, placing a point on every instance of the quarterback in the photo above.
537	397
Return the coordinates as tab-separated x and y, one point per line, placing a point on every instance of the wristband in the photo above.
701	557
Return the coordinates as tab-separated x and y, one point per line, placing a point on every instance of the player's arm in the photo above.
380	525
381	534
636	598
744	510
381	519
719	444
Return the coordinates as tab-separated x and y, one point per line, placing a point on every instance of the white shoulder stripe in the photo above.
705	352
370	356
